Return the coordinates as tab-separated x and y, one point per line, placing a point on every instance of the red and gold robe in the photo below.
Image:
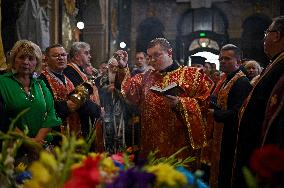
162	127
99	147
95	96
60	93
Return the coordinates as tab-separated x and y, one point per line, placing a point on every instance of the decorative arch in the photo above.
210	22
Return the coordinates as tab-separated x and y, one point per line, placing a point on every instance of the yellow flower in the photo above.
94	155
48	160
76	165
57	151
21	167
39	172
167	175
32	184
81	141
108	165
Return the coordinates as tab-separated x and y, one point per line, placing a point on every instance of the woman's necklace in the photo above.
25	87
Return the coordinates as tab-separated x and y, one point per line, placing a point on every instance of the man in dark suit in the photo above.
235	88
252	114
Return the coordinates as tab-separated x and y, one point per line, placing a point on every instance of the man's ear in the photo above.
170	52
277	37
76	56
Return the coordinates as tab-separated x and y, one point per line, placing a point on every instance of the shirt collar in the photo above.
172	67
12	76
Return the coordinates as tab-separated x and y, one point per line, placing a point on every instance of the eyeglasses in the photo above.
225	59
155	56
268	31
59	55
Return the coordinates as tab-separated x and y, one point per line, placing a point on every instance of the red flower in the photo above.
85	176
118	157
77	183
131	157
268	163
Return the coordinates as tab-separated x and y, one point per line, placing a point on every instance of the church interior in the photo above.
77	68
192	26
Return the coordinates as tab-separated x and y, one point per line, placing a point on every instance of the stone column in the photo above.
54	22
96	30
95	35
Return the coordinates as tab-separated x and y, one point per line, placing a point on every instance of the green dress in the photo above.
41	113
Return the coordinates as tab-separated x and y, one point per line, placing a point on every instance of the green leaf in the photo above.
171	160
249	178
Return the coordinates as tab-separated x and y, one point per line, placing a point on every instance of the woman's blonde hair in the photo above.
253	63
28	48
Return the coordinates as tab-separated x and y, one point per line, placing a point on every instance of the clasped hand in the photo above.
122	58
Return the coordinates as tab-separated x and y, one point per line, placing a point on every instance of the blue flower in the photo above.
21	177
119	165
191	178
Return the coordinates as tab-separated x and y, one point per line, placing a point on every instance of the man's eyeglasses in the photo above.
268	31
155	56
225	59
59	55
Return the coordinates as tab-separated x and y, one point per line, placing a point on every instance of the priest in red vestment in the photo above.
169	120
61	87
71	112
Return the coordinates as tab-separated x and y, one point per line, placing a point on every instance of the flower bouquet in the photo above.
72	166
115	171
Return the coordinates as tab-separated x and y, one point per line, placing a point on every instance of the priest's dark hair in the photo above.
164	43
52	46
279	24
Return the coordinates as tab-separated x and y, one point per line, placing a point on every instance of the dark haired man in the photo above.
61	87
168	122
235	88
253	128
140	63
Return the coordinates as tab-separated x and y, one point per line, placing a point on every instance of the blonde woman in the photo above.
253	68
21	90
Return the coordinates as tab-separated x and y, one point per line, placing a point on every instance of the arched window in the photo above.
202	29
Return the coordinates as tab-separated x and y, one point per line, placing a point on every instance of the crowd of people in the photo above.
219	116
